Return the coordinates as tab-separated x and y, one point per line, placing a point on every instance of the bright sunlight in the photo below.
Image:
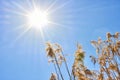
37	19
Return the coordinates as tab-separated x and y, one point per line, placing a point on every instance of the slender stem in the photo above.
66	66
73	77
115	61
114	75
107	72
110	62
58	68
72	74
56	71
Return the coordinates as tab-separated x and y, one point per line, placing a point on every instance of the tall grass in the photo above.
108	59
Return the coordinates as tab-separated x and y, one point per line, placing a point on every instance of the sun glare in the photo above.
37	19
34	17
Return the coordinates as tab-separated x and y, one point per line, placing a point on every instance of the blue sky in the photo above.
23	57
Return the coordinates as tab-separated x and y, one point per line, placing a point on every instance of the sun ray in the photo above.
18	5
19	27
20	11
61	6
25	31
42	35
35	17
55	23
7	4
29	4
51	6
34	4
14	11
20	35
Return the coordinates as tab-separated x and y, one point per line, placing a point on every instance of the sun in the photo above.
37	19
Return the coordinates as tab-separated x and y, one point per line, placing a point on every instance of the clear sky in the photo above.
22	52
